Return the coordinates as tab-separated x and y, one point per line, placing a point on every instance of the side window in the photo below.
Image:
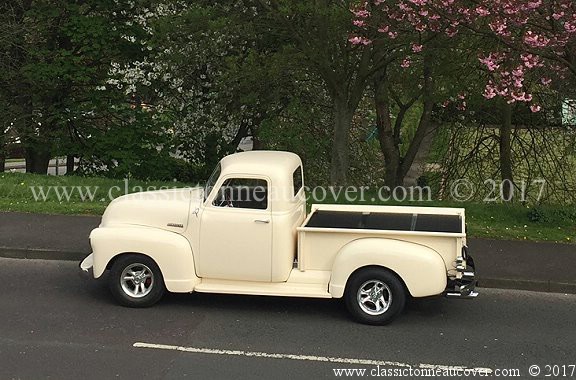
297	180
243	193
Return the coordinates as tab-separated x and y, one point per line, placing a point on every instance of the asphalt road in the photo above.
56	324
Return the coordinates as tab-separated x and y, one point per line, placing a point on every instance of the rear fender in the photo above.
171	251
420	268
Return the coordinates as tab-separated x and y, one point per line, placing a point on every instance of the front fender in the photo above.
421	268
171	251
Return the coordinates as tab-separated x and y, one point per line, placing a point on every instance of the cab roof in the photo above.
276	165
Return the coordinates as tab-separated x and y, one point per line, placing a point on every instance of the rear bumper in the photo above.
464	285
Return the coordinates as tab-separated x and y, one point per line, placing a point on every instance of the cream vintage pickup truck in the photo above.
247	232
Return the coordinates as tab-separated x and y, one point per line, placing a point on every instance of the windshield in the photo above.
212	181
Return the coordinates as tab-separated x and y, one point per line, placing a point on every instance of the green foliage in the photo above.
58	54
552	215
133	145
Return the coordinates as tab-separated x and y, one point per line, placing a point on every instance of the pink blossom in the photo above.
491	62
535	108
518	72
500	27
384	29
356	40
405	7
489	92
481	11
534	40
530	60
534	4
362	13
420	27
570	27
521	96
417	48
528	35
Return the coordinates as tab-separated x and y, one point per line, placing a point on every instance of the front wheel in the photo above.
375	296
136	281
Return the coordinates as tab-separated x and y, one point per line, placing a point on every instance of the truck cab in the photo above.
247	223
247	232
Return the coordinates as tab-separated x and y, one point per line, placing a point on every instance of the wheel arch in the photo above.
421	269
170	251
368	267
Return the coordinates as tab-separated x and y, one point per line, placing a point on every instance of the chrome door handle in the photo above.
262	221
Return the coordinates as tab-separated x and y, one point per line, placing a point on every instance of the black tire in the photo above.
145	290
378	284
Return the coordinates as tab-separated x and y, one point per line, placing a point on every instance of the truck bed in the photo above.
328	228
389	221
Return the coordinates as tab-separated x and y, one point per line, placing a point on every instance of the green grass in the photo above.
16	193
487	220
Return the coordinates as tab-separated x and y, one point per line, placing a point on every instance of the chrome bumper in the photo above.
465	285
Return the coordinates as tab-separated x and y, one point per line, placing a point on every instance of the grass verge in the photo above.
67	194
90	196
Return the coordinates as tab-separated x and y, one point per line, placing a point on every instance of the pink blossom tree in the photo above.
523	37
525	46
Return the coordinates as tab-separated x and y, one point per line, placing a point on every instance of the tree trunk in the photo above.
257	142
2	161
70	164
388	144
37	160
340	162
506	153
424	125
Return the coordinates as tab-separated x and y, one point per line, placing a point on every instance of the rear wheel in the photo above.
375	296
136	281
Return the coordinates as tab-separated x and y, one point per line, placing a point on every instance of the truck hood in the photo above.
165	209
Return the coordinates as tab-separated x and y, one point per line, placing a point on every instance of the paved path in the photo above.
58	325
20	166
500	263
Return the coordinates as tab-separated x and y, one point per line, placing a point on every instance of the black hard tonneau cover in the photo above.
386	221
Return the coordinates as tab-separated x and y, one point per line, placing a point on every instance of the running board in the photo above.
282	289
310	283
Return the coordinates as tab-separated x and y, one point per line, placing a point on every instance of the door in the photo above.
236	232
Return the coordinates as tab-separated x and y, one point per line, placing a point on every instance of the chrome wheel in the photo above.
137	280
374	297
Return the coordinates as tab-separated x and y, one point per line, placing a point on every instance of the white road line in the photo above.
383	363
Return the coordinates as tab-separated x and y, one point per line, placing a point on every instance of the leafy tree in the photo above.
213	77
57	54
318	32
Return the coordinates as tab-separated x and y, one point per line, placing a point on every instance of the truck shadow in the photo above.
327	309
311	308
262	304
